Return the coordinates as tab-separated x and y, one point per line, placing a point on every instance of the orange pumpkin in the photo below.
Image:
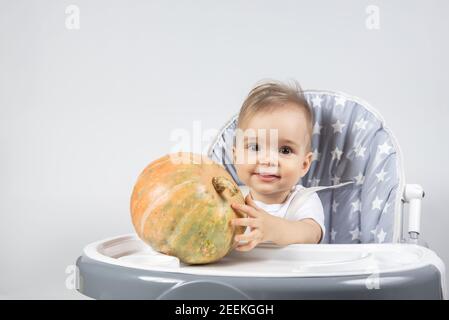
180	206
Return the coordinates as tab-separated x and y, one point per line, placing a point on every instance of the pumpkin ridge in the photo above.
160	199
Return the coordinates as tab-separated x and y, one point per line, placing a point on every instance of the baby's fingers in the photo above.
247	247
253	235
248	222
246	209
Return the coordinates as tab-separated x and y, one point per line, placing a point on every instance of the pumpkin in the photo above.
180	206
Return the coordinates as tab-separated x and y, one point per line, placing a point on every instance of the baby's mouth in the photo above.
266	176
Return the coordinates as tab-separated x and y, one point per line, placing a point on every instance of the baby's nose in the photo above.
268	158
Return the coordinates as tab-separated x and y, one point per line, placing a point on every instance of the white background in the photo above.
82	112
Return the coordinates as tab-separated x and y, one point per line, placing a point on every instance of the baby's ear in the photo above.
305	165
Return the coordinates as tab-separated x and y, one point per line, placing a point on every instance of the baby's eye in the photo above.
253	147
285	150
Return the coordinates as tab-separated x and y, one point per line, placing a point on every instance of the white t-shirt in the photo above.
311	208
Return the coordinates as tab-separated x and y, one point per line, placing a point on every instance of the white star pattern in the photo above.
316	155
334	206
381	175
316	128
359	151
361	124
359	179
314	182
335	180
316	101
387	205
333	234
338	126
381	235
336	154
384	148
376	203
355	234
356	206
340	101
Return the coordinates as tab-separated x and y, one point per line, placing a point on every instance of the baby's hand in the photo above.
261	223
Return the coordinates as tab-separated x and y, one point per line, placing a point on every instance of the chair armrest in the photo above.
413	195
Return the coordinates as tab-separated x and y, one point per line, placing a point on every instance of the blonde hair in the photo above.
272	94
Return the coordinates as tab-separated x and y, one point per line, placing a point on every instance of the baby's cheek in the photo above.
291	169
242	172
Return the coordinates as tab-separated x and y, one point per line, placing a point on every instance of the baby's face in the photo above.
272	163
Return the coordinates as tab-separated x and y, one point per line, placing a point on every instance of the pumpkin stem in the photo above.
221	184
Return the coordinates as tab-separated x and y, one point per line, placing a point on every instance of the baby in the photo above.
271	153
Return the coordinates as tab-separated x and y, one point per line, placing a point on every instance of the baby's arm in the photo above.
301	231
266	227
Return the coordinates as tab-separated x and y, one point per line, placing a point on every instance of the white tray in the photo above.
268	260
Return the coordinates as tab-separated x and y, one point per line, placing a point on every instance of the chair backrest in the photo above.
350	142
